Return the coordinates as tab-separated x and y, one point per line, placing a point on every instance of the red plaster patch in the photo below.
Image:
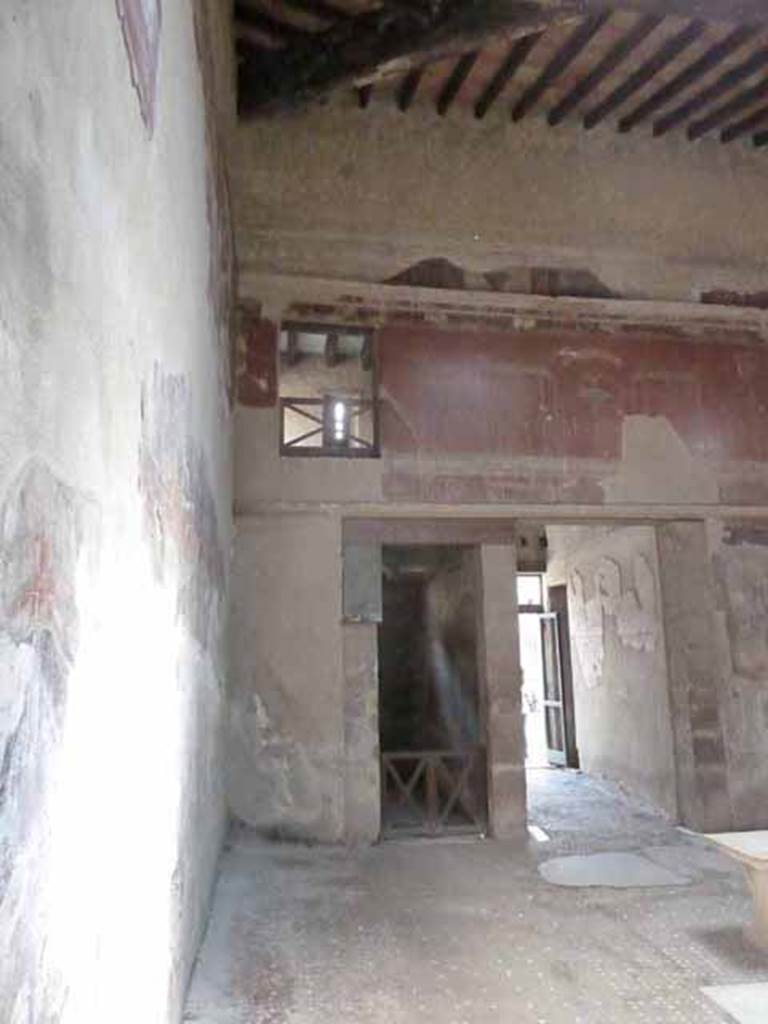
257	362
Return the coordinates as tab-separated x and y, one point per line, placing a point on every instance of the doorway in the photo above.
433	756
547	690
597	665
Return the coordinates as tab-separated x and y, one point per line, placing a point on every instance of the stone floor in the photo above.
467	931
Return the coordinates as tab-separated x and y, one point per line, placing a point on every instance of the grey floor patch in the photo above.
615	870
747	1004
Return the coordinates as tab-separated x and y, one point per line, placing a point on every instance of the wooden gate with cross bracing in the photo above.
434	792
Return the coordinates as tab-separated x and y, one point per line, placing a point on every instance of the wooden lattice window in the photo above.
327	392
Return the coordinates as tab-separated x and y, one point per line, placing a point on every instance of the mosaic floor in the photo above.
469	932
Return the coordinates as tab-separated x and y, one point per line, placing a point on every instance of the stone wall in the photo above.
618	656
115	500
740	565
698	687
286	725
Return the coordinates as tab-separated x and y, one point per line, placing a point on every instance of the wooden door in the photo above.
554	715
558	602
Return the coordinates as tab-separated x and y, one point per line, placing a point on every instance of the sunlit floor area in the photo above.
467	931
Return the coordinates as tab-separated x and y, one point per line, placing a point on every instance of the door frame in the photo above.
557	601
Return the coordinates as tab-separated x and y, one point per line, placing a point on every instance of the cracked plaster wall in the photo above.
114	510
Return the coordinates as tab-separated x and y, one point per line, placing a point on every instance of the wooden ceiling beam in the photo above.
727	81
748	124
456	80
560	62
716	117
400	35
332	353
671	49
706	63
506	70
253	17
406	94
394	37
616	56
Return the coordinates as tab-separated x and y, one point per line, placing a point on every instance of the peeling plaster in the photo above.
631	604
657	465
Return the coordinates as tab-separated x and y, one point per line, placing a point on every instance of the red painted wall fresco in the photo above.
256	362
565	394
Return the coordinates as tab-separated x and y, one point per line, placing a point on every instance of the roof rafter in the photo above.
671	49
560	62
721	86
749	124
709	60
617	54
505	71
716	117
457	78
400	35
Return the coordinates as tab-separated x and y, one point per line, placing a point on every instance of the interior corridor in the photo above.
468	932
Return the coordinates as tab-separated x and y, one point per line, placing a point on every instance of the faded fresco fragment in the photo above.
42	525
179	505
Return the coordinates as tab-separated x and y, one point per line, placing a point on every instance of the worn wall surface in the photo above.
698	686
286	724
740	567
114	502
361	771
501	680
555	416
520	413
367	194
618	653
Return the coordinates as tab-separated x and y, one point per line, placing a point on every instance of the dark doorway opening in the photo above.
433	758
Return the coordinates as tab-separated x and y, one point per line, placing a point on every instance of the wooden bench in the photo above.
751	850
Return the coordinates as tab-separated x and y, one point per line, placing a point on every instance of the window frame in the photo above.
534	609
331	450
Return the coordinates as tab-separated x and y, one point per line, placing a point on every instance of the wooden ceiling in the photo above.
633	66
